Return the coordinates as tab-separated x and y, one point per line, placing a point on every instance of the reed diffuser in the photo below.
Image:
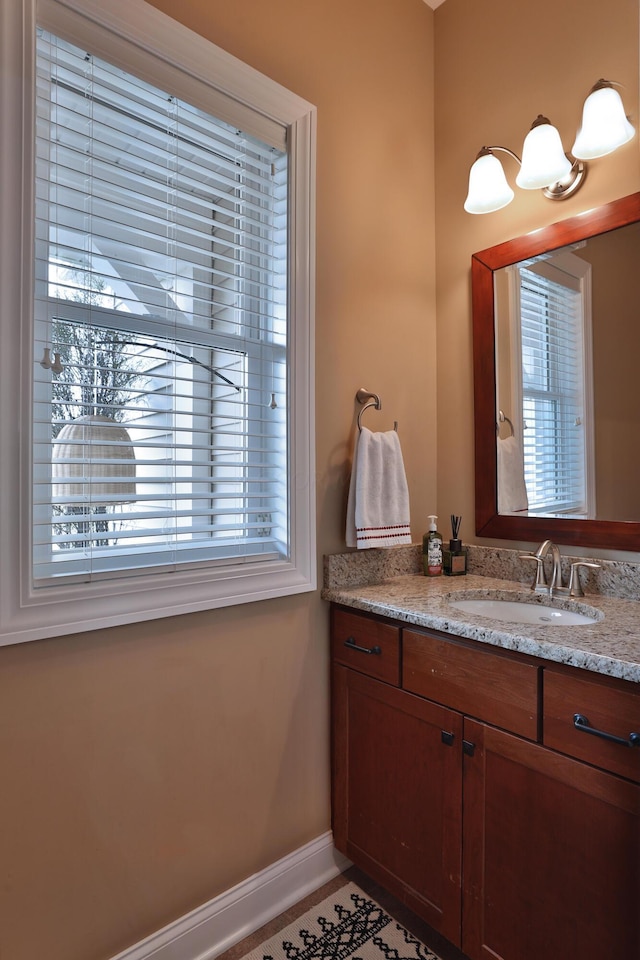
454	558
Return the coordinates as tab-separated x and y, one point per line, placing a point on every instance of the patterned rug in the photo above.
348	924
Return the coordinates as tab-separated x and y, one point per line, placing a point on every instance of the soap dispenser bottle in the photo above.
432	550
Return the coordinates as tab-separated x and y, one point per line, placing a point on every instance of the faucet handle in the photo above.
575	587
540	580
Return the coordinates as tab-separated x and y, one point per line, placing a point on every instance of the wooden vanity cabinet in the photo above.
446	791
396	779
551	854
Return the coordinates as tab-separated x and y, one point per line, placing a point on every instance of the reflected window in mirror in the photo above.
545	380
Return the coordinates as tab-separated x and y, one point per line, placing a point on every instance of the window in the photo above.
170	327
556	385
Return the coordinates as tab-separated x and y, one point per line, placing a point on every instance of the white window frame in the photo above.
27	613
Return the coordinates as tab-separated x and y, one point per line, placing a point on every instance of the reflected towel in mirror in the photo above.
378	504
512	490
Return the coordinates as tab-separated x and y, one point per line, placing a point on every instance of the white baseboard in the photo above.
217	925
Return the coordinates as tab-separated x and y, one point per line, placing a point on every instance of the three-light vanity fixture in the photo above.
544	165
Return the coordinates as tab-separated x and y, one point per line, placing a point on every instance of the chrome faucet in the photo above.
540	585
555	587
556	570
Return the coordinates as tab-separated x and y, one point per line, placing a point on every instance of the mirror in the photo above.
611	518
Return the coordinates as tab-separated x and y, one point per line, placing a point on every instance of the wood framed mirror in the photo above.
599	531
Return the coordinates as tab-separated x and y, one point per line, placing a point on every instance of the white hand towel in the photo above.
512	491
378	504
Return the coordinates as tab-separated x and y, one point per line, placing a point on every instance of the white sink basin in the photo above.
519	611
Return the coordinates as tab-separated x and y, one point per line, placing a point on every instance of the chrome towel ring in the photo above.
368	399
503	419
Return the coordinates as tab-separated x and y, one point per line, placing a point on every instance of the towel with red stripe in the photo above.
378	503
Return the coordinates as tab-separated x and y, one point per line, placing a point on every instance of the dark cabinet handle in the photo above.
468	748
447	737
580	722
352	645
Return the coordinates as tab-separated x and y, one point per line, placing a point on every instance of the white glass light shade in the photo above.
604	124
543	158
488	187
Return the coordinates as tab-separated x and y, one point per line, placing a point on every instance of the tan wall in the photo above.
616	349
147	769
499	64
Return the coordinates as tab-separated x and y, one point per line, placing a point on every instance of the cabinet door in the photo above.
397	779
551	855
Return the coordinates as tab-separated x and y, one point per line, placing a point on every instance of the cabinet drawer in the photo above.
477	682
367	645
607	706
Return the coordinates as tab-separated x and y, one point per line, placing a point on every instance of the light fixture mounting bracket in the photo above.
570	184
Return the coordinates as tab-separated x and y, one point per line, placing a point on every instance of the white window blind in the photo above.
160	399
553	389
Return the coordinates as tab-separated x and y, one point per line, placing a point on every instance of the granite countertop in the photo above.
611	646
